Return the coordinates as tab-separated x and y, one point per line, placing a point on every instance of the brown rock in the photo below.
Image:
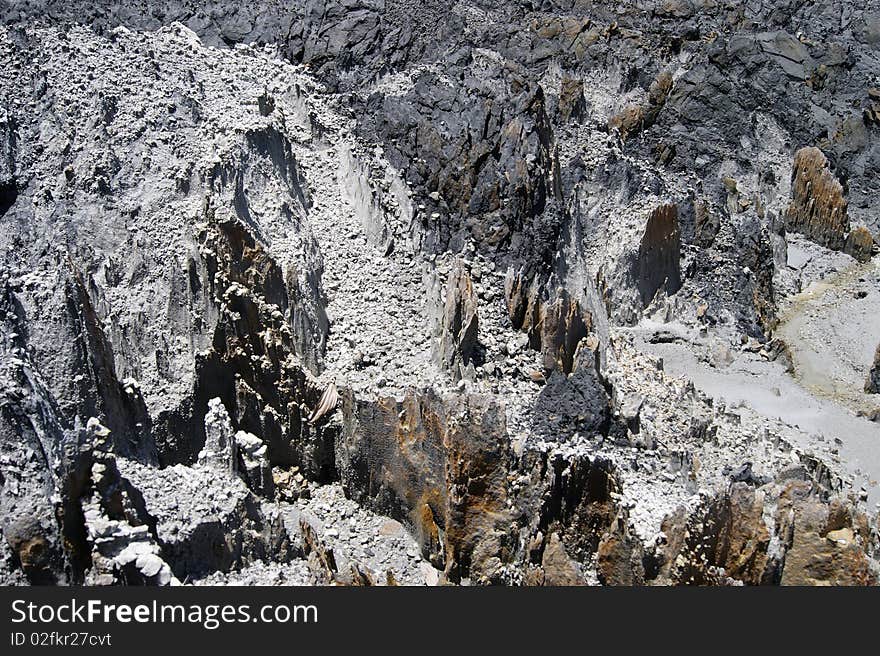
632	119
559	568
320	556
439	465
619	559
821	547
563	325
871	114
743	538
818	208
727	539
533	576
571	98
859	244
577	501
814	560
555	327
628	121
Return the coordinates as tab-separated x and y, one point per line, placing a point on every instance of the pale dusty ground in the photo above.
831	329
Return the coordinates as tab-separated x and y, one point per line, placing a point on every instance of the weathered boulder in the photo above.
872	384
825	542
787	52
634	118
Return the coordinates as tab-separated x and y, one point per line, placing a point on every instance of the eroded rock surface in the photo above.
369	293
818	207
872	385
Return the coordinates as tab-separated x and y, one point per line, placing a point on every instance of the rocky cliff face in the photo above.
373	292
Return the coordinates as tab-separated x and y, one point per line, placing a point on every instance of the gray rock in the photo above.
210	217
460	324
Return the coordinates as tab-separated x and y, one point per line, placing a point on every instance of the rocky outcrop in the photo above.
85	525
213	523
238	454
83	378
634	118
68	515
818	207
368	202
438	464
725	540
554	321
460	323
211	217
778	533
253	365
578	400
825	542
489	176
657	263
123	549
643	268
30	436
872	384
566	505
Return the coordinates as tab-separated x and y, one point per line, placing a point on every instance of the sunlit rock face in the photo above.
397	292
